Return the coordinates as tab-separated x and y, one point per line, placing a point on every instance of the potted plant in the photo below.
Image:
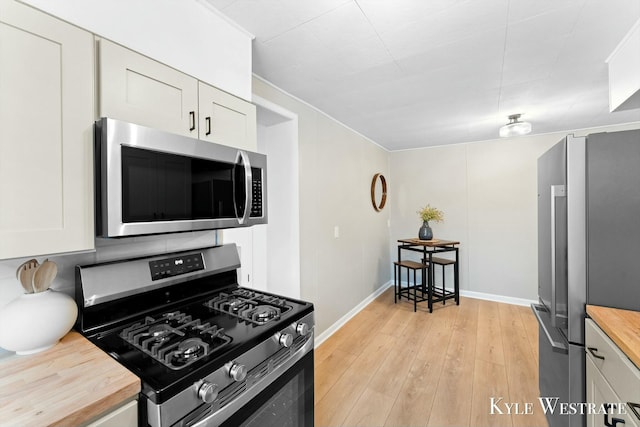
427	214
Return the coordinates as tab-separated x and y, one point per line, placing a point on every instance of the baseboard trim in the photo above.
355	310
497	298
463	292
487	297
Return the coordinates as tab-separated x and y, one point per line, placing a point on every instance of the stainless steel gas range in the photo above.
208	352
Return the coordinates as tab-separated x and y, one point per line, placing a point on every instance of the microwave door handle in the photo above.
248	180
556	191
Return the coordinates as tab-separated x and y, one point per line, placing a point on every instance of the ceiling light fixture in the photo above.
515	127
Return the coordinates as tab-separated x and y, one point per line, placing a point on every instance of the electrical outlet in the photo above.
336	231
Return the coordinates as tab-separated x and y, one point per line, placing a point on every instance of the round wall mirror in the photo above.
378	192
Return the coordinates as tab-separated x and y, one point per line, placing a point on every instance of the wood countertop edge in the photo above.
622	326
72	383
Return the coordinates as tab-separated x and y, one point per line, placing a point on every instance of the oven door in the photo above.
284	399
287	402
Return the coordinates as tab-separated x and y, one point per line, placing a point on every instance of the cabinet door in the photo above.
225	119
125	416
46	134
137	89
600	393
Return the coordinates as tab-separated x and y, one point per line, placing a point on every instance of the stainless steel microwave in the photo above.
151	182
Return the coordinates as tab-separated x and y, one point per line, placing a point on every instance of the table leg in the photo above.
395	283
399	294
415	290
430	282
456	279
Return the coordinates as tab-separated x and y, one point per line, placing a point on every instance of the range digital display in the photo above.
170	267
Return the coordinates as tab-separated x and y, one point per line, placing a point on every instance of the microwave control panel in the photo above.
175	266
256	188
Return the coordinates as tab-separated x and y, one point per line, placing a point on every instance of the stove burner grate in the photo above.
175	339
250	306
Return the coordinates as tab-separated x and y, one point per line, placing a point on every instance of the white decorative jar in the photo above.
35	322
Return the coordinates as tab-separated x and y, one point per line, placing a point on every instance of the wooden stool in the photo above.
444	294
421	288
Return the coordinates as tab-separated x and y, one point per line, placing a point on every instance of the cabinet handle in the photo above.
635	408
208	120
192	119
614	421
593	350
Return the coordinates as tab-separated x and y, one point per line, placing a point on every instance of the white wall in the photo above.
280	238
188	35
336	166
488	193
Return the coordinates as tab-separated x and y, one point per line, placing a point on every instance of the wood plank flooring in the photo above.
389	366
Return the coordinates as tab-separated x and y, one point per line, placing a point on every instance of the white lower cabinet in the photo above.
46	133
600	393
613	382
124	416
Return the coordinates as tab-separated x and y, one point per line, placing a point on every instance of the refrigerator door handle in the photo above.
556	191
557	344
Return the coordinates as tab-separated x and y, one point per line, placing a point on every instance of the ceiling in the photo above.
418	73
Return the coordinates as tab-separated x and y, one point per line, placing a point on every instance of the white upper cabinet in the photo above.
46	134
225	119
137	89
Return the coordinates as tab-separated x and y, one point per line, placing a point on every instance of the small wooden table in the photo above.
429	248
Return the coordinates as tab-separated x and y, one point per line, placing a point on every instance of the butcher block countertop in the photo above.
622	326
66	385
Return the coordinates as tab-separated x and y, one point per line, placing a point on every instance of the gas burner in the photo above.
236	304
156	334
175	339
188	350
159	330
262	314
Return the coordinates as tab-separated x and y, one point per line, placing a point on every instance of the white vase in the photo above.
35	322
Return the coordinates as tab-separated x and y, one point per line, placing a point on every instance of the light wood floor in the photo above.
389	366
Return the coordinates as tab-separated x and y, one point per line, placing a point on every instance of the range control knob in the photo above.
302	329
285	339
238	372
207	392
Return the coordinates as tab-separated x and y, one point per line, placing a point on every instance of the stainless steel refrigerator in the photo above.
588	251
